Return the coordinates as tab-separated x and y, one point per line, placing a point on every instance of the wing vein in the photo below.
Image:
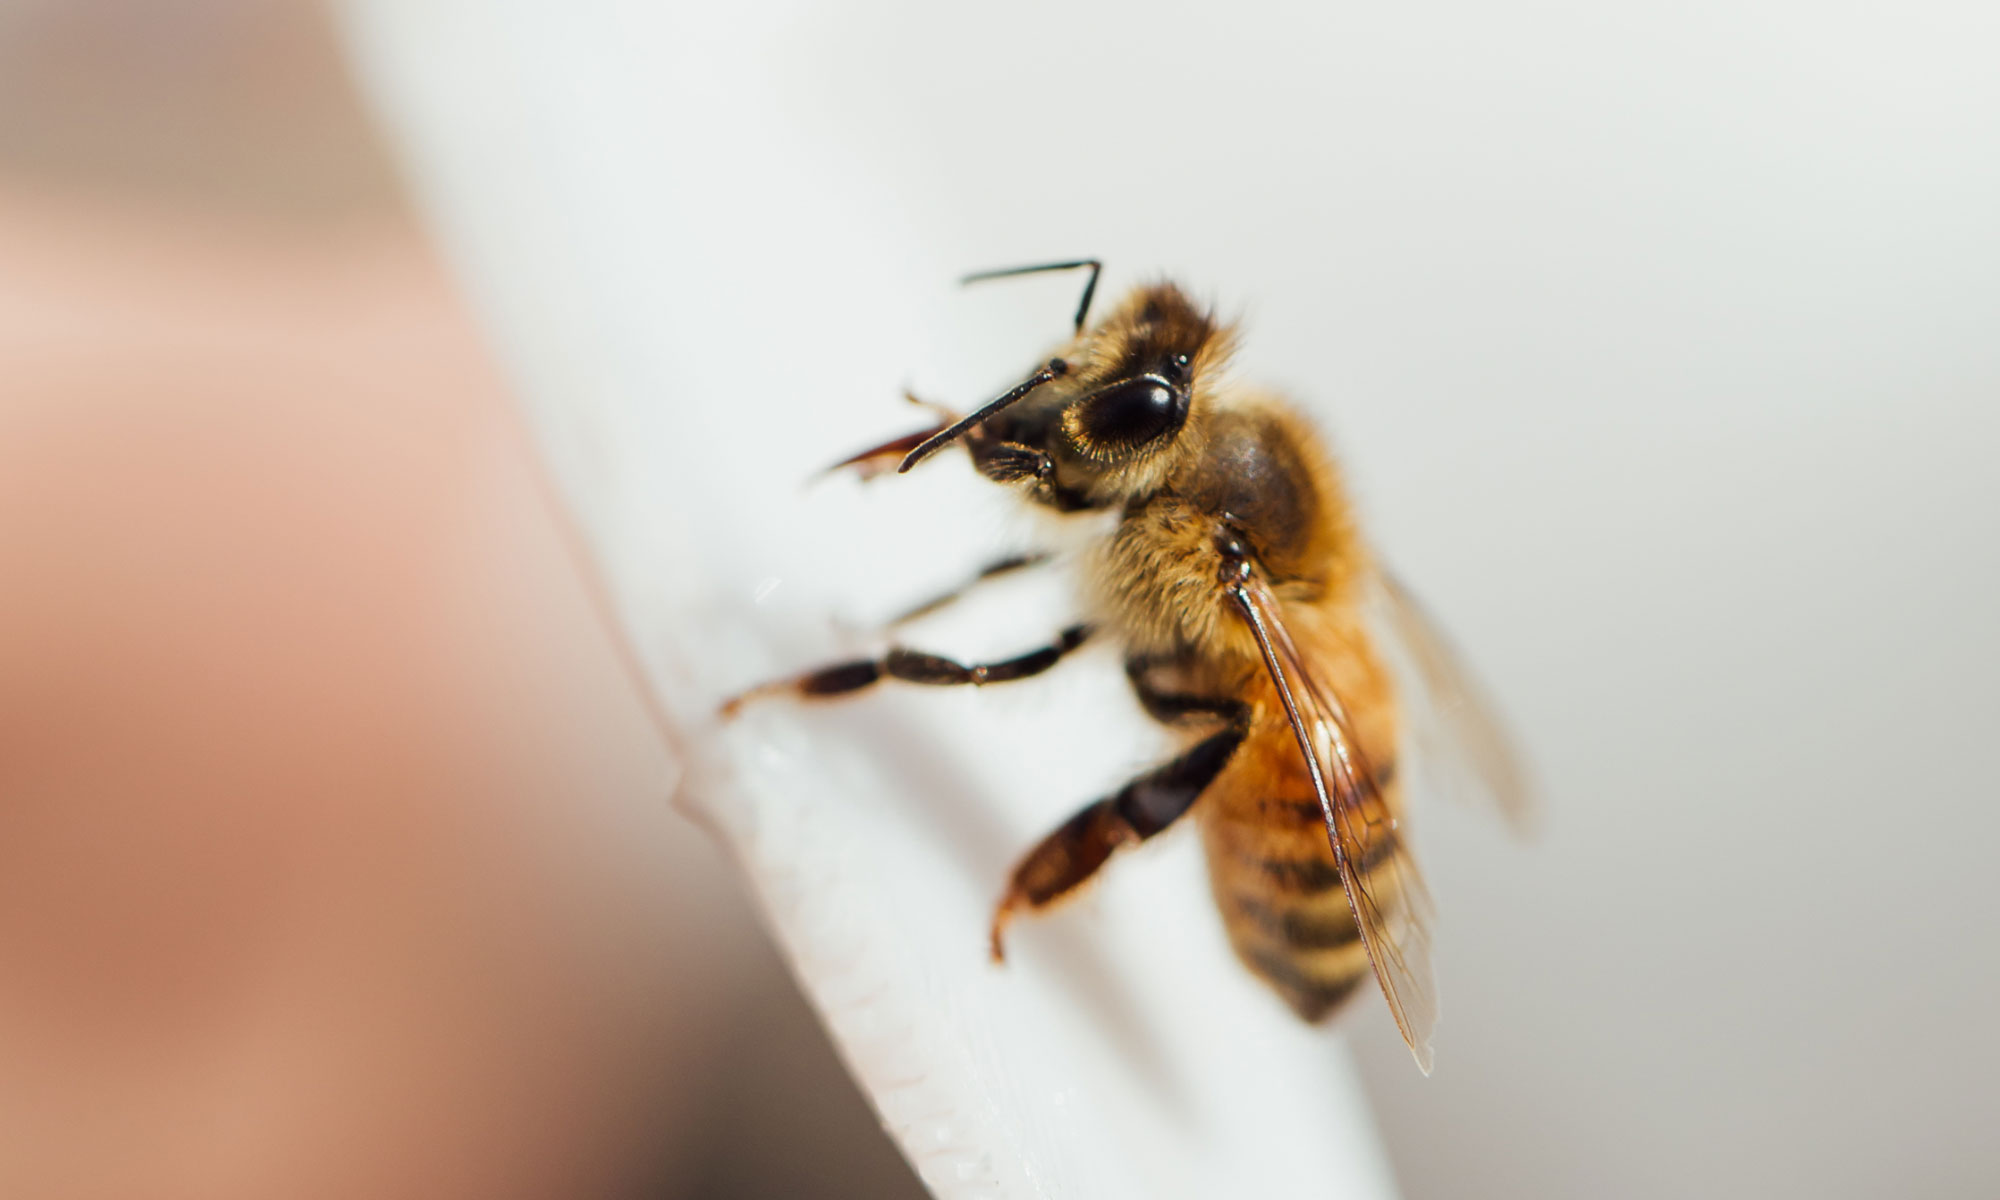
1358	818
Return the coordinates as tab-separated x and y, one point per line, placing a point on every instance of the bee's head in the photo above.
1099	422
1132	379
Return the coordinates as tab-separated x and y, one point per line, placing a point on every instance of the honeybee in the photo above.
1239	591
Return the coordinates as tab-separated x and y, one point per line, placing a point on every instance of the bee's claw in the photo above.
997	936
728	709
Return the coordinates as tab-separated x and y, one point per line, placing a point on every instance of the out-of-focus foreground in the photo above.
335	851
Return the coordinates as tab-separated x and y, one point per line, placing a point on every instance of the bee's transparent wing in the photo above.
1454	721
1391	905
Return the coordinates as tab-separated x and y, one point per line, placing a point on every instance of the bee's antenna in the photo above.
1055	369
1089	289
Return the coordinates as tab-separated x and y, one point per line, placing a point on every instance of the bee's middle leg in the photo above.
992	570
1067	858
916	666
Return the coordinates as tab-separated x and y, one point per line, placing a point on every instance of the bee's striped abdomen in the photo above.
1272	868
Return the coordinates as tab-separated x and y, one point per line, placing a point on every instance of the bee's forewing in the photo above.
1391	905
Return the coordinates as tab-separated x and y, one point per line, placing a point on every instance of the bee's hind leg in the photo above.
915	666
1073	853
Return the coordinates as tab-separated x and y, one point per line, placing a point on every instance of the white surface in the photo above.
1660	342
707	286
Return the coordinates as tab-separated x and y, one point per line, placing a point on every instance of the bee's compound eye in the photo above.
1131	413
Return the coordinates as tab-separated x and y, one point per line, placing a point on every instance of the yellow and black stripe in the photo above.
1272	869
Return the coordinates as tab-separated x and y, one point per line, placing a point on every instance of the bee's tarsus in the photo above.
997	937
916	666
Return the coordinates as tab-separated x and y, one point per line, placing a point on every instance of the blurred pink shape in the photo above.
334	853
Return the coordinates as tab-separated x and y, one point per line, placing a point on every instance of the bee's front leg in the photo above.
1012	462
882	459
